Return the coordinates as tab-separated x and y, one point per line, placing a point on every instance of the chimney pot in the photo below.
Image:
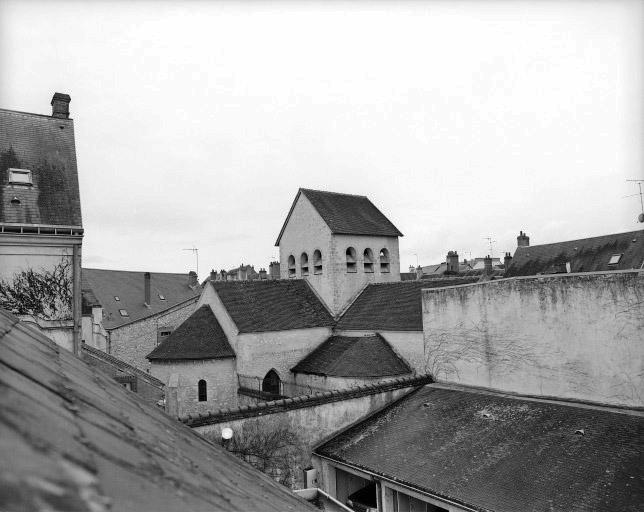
60	105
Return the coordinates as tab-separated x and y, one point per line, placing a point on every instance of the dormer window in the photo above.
291	267
614	259
351	260
123	312
384	261
304	264
317	262
368	261
20	176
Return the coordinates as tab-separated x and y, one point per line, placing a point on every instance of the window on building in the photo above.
404	503
614	259
317	262
368	260
272	383
163	333
202	391
124	312
20	176
291	266
117	298
384	260
304	264
351	260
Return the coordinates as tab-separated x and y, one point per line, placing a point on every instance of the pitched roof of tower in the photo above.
77	440
489	451
199	337
583	255
345	214
348	356
393	306
45	146
259	306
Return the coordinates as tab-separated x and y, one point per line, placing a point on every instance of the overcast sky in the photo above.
196	122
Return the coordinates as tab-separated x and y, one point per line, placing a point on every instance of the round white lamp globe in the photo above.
227	433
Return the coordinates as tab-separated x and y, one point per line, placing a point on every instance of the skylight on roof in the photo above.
20	176
117	298
123	312
614	259
161	296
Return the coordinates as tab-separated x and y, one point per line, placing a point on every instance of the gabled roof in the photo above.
493	452
584	255
199	337
259	306
129	288
392	306
77	440
45	146
345	356
345	214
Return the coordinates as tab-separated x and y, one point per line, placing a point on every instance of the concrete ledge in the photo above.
300	402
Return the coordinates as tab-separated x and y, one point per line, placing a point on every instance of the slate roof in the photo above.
392	306
259	306
129	288
44	145
584	255
346	214
346	356
199	337
524	456
77	440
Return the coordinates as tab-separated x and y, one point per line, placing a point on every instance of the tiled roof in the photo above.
77	440
45	146
494	452
346	214
392	306
258	306
129	288
345	356
584	255
199	337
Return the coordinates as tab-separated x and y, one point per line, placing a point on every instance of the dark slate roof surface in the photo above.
392	306
129	287
199	337
259	306
345	356
494	452
346	214
45	146
584	255
77	440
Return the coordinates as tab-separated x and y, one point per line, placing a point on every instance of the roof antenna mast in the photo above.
490	241
640	217
195	251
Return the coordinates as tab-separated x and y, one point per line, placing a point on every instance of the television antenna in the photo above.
195	251
640	217
490	241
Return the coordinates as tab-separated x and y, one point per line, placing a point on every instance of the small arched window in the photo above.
272	383
351	260
317	262
368	261
291	266
202	392
304	264
384	260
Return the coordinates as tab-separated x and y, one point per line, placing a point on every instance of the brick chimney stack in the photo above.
419	272
507	259
523	240
452	261
274	270
193	280
263	275
224	275
60	105
213	275
487	265
146	288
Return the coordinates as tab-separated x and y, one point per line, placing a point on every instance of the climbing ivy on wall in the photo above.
46	294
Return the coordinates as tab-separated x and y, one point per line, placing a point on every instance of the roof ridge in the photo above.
33	114
137	271
334	193
527	247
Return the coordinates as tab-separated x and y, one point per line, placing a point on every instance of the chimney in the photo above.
146	287
274	270
213	275
506	261
60	105
263	274
193	281
523	240
487	265
452	261
223	274
419	272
